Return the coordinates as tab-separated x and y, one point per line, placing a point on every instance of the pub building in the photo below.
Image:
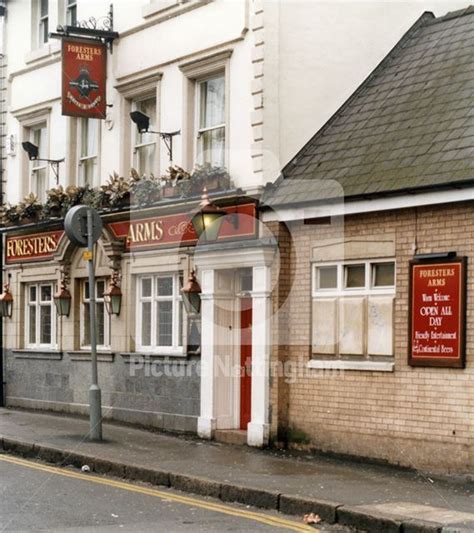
329	311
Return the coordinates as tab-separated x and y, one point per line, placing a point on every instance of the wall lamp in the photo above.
208	219
6	302
113	295
62	299
143	124
192	295
33	152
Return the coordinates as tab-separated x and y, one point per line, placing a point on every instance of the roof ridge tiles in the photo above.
469	10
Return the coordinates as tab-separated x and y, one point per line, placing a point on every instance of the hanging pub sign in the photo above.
437	313
84	76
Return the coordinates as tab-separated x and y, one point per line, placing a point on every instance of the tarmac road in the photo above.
39	497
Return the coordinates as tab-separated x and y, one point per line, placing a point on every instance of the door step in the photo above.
231	436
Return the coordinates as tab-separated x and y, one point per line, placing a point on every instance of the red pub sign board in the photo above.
83	79
33	247
437	313
176	229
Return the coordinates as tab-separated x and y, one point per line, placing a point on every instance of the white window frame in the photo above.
136	146
37	166
42	20
38	304
82	160
84	300
200	131
368	289
178	344
69	7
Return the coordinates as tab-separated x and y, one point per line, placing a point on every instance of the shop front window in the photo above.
160	314
40	317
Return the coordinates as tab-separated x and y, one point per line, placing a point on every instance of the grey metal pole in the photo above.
95	409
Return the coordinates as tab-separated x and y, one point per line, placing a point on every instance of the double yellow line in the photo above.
267	519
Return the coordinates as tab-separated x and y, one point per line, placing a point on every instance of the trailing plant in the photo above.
116	192
145	190
56	202
12	214
30	208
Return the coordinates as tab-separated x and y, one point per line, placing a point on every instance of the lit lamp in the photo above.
62	299
113	296
207	221
192	295
6	302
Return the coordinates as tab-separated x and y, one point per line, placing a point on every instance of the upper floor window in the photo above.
102	316
40	331
160	314
39	169
71	12
89	129
211	121
144	145
43	21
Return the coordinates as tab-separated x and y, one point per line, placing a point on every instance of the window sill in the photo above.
133	357
368	366
41	53
85	355
41	354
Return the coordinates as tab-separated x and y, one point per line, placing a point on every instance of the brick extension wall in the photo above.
419	417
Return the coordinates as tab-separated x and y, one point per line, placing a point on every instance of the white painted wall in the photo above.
316	54
325	49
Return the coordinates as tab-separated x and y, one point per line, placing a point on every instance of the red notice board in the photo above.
437	313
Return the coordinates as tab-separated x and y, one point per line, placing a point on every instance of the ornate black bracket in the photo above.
101	29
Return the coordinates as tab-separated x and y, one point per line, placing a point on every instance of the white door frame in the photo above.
208	263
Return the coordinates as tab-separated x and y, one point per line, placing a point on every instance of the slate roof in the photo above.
408	127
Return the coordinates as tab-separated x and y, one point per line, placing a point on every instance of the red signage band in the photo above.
84	69
154	232
36	247
437	313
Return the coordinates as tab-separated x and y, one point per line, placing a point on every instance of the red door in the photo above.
245	361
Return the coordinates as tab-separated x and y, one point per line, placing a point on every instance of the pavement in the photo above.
368	497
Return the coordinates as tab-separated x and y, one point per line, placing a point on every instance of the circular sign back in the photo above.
75	225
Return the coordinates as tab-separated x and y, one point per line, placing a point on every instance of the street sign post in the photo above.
83	226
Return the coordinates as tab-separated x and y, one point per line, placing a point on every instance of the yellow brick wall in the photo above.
421	417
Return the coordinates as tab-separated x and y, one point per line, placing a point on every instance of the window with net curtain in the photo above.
144	146
88	152
160	313
211	132
39	169
40	315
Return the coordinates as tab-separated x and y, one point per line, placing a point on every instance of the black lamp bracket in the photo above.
54	165
167	139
